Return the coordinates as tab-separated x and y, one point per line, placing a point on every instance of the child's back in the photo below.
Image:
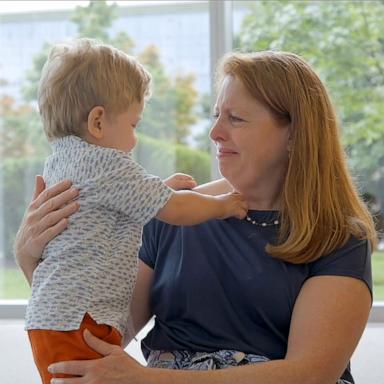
91	267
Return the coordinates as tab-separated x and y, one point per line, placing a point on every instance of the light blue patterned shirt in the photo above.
92	266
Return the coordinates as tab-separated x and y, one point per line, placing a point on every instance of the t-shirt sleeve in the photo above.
352	260
127	188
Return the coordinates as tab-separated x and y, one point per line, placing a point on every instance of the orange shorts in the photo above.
52	346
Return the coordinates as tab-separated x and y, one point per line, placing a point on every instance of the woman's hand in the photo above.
116	367
45	217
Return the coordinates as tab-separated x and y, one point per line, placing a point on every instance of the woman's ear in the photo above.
96	119
289	141
289	145
289	138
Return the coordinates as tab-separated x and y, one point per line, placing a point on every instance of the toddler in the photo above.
91	98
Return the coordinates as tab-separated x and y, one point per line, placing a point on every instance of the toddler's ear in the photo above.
95	122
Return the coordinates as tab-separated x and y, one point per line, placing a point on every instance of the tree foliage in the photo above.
168	116
344	41
95	19
171	112
21	133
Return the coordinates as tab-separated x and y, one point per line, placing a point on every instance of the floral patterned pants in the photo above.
205	360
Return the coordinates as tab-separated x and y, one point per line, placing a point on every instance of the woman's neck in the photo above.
262	198
261	204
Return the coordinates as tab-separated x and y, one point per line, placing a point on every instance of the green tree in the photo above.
171	112
344	41
203	142
33	74
20	133
94	20
168	116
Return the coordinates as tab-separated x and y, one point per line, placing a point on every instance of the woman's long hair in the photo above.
320	207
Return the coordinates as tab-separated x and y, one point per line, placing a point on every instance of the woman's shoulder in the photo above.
353	259
354	252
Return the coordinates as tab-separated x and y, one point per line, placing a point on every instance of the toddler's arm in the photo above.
215	187
189	208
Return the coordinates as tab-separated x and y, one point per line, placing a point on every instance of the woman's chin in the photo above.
227	174
223	171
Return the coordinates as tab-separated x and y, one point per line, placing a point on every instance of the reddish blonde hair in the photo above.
321	207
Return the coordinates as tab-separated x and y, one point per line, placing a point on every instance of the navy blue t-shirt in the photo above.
216	288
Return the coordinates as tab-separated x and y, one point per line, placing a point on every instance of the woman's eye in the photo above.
235	118
215	116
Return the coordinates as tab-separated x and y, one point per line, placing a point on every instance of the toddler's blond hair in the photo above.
82	74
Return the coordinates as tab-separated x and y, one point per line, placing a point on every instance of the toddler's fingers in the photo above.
192	182
186	178
181	176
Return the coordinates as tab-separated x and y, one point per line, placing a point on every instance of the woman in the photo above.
286	293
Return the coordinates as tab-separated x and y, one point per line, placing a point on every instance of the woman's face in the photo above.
252	147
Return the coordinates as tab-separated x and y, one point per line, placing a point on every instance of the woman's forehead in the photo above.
233	95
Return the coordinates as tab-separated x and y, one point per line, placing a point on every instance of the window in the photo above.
180	42
170	39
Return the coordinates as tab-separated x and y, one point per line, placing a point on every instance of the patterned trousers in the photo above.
202	361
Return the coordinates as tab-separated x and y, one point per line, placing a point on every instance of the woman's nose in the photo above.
217	132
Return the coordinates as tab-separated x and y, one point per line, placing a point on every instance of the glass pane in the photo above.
172	135
343	40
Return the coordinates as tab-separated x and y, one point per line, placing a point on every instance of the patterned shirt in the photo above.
91	267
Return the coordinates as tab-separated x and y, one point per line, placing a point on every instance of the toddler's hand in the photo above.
179	181
233	205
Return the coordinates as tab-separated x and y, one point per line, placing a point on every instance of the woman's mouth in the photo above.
225	152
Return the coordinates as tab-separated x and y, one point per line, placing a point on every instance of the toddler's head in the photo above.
93	91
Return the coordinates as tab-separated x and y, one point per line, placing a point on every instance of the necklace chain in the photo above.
263	223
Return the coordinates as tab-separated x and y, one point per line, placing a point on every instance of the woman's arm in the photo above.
45	217
327	322
140	304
